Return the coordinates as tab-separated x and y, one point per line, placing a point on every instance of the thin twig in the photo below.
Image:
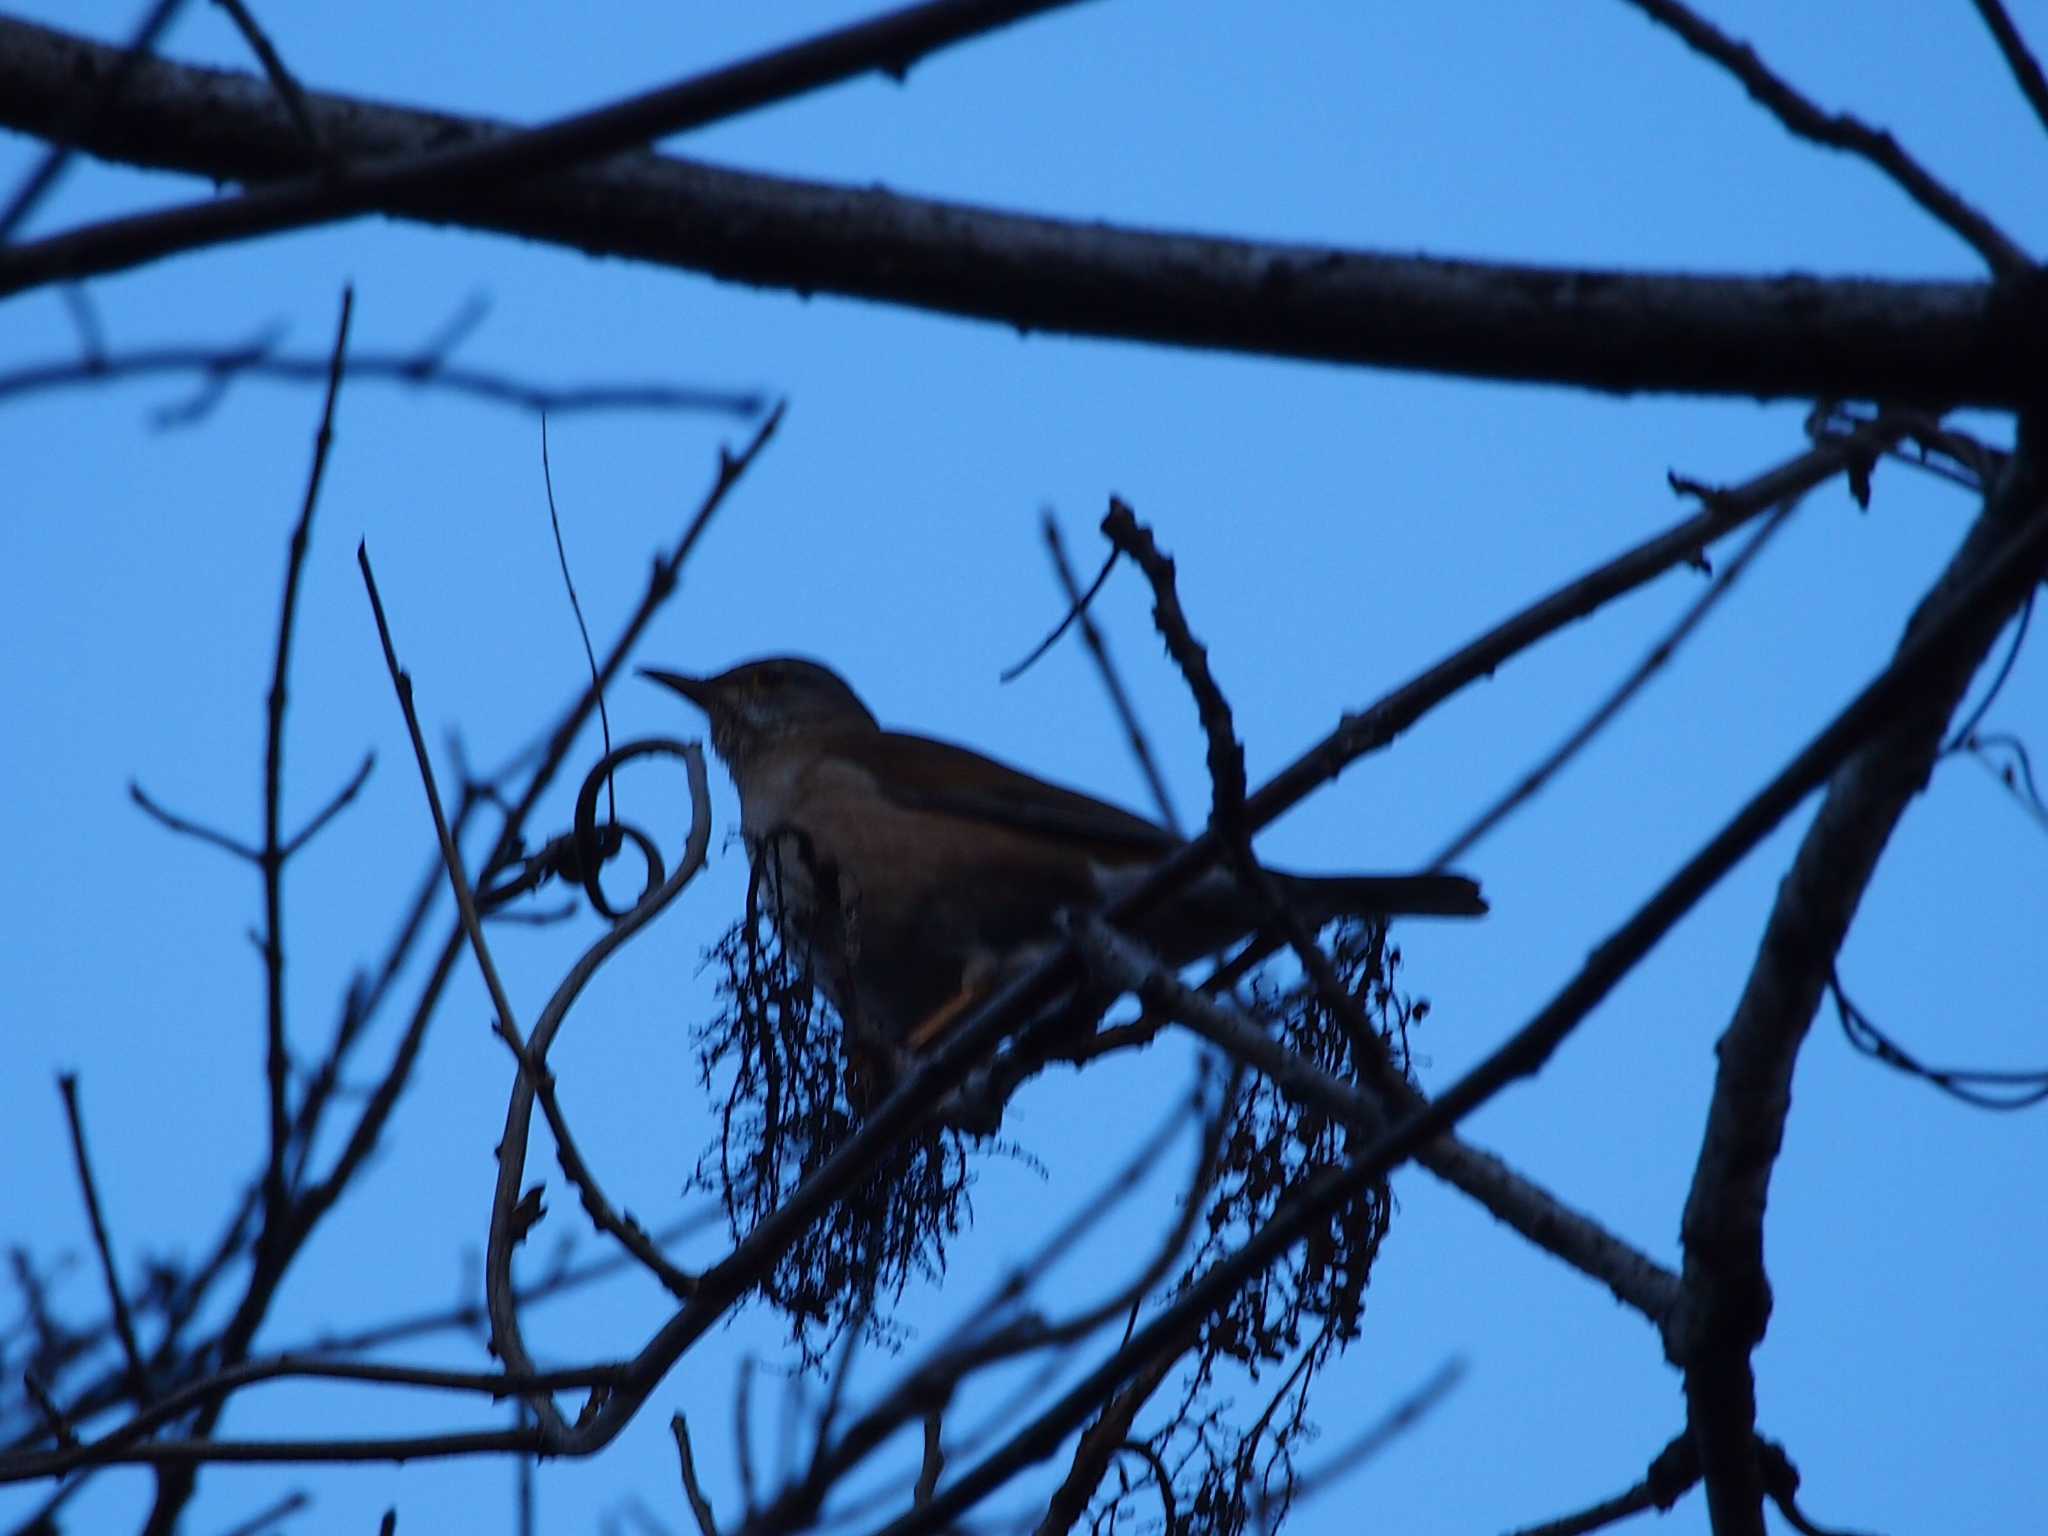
270	1514
604	719
707	1523
334	807
280	77
277	1053
220	366
1077	608
2026	69
124	1321
188	828
1801	116
1403	1416
1654	661
1112	681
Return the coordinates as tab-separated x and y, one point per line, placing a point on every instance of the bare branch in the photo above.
707	1523
270	1514
333	808
219	365
1119	698
1404	1415
277	1056
73	126
280	77
187	828
1726	1300
1788	336
1603	715
124	1321
1635	1279
890	43
2026	69
1841	131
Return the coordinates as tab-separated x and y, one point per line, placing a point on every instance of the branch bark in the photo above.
1770	337
1726	1300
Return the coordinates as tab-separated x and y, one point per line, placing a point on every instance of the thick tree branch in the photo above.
325	190
1726	1300
1789	336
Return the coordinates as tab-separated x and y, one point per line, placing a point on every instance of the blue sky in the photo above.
1336	530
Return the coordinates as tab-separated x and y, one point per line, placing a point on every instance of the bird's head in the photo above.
759	703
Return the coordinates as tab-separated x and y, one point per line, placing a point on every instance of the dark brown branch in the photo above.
1841	131
1726	1301
1792	335
117	1300
77	119
422	180
217	364
2026	69
1968	620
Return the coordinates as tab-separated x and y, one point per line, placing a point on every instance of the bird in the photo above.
918	876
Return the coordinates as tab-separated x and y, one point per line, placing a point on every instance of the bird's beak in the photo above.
697	690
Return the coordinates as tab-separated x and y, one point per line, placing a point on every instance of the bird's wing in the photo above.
925	775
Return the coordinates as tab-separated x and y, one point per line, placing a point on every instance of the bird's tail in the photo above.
1327	896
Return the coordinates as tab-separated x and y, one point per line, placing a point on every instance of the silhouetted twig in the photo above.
1841	131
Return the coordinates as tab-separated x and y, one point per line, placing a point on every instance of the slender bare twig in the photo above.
185	827
270	1514
1957	631
1839	130
1785	336
604	719
333	808
281	80
2026	69
277	1053
1653	662
1408	1411
707	1523
219	366
130	1441
117	1299
1726	1299
1077	608
80	115
891	43
1112	681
